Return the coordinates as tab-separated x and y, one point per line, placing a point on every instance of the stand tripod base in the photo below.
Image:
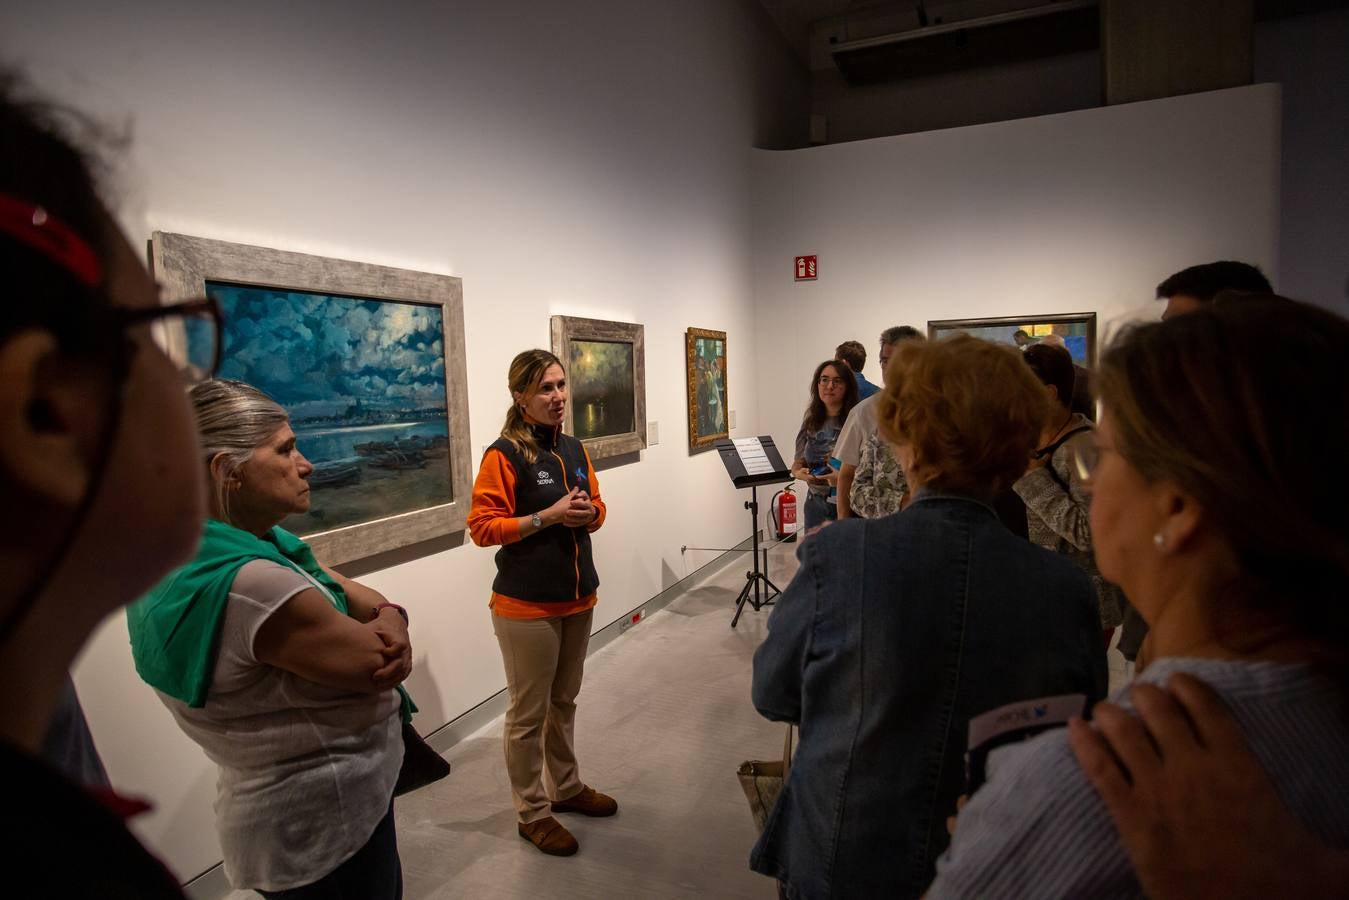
750	594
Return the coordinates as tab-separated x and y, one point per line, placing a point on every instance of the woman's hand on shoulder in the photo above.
1195	811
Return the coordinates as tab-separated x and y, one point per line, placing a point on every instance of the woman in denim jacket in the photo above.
895	632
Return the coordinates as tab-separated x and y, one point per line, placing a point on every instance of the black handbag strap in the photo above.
1051	449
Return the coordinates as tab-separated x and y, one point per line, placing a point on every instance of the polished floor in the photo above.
663	721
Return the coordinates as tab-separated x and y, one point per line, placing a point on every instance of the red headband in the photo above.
34	226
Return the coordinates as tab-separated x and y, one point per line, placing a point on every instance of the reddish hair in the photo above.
971	412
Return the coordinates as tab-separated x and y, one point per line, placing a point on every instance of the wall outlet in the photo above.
730	421
652	433
631	619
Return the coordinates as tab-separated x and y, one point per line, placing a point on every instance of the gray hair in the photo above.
233	419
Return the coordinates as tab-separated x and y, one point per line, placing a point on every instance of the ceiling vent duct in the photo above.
1051	29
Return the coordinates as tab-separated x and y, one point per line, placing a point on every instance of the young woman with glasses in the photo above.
833	394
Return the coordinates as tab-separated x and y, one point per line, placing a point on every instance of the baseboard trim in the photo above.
213	885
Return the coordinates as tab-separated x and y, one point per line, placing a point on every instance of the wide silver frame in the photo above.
566	329
183	264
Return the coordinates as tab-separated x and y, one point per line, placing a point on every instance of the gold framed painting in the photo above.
705	377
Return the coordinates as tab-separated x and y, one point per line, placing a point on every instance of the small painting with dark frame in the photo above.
1078	331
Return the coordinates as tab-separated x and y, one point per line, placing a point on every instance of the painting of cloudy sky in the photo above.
318	354
364	383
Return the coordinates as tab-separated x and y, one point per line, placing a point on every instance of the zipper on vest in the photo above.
575	541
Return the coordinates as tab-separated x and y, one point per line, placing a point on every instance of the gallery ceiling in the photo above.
875	41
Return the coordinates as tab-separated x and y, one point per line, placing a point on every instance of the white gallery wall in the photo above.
1076	212
594	159
589	159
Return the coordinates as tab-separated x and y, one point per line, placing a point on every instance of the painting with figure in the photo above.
1078	331
601	379
705	371
364	383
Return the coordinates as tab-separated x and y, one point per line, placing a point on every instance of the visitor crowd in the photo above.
975	538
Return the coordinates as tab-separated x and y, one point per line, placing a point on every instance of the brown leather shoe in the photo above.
589	802
550	837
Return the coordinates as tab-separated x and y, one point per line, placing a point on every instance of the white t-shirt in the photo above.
306	771
861	423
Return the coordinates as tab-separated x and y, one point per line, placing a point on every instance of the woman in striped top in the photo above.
1217	507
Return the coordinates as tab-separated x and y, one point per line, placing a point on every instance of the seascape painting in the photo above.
600	374
364	383
705	373
1078	331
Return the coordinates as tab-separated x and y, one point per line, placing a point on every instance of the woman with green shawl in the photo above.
284	672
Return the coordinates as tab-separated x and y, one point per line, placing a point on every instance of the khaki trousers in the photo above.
544	660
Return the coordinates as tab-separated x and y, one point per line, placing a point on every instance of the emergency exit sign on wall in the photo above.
806	269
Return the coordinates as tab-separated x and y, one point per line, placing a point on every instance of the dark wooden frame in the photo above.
939	328
566	329
700	442
183	264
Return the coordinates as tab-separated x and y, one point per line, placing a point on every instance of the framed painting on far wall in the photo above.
606	378
1078	331
705	375
368	362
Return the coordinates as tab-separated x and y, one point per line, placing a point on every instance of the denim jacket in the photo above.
892	635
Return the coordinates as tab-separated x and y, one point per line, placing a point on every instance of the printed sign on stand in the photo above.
806	268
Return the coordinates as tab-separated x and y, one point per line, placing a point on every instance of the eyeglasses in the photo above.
826	381
187	332
1084	455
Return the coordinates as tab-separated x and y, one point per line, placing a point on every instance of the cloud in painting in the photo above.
322	353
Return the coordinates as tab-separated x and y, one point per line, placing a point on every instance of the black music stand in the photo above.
751	462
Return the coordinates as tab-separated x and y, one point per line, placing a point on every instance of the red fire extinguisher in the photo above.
782	508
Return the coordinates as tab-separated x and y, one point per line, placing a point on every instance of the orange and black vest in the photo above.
554	565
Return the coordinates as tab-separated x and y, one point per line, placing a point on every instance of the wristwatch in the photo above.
537	522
